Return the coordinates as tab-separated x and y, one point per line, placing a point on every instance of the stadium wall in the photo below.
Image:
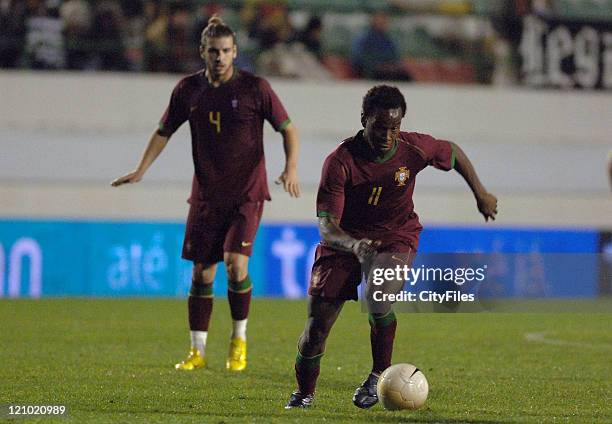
65	136
131	102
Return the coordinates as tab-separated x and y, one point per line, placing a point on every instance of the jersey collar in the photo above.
368	152
388	155
232	78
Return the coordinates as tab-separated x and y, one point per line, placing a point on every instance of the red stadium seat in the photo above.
340	67
446	70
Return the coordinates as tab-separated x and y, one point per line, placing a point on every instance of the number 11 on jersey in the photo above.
373	200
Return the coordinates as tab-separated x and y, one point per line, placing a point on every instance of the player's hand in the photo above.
487	205
132	177
365	249
289	180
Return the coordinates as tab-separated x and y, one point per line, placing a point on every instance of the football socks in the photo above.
382	334
306	372
239	297
200	305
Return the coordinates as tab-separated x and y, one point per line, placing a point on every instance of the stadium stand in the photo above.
451	41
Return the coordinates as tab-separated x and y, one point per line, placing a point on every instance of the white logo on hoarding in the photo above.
136	267
288	249
23	248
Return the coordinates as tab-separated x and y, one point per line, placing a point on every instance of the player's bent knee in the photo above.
313	339
311	346
236	271
203	275
236	265
202	281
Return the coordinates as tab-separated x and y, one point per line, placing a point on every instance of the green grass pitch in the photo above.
111	361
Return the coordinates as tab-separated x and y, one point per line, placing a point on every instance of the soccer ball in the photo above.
402	386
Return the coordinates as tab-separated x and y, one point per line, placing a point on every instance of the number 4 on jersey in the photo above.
215	119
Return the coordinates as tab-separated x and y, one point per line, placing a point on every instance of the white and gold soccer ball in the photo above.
402	386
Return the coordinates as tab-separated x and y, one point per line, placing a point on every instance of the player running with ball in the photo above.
366	217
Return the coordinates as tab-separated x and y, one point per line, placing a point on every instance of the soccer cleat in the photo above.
365	396
193	361
298	400
236	358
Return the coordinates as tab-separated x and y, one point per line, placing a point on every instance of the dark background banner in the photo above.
565	54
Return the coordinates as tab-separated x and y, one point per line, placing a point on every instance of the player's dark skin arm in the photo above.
487	203
336	237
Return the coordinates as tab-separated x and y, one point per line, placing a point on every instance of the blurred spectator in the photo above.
170	42
283	55
543	8
44	41
291	61
203	14
451	7
76	16
134	30
374	55
310	36
275	28
163	35
504	72
12	32
180	57
507	27
269	25
156	47
132	8
107	37
267	22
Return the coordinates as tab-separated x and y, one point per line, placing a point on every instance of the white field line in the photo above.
544	337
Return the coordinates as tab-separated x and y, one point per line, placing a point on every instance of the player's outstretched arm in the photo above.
335	237
157	143
289	177
487	203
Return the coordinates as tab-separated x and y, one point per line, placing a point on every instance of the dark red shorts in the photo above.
212	230
337	275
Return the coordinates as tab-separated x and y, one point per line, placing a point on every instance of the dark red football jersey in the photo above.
226	125
373	199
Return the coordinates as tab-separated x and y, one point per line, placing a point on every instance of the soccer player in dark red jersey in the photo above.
226	109
366	218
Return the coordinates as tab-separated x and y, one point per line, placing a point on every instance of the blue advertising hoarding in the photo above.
100	258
